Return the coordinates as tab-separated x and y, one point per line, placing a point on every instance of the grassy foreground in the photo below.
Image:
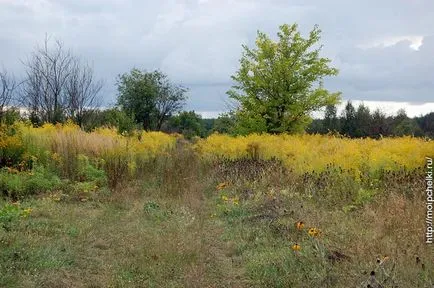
182	220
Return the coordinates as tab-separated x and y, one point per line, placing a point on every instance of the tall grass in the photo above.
59	147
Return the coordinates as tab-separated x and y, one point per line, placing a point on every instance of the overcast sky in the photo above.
383	48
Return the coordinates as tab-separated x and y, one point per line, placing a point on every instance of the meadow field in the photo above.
148	209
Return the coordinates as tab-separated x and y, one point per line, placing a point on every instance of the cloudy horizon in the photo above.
382	48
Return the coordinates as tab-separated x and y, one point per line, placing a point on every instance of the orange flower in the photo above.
299	225
296	247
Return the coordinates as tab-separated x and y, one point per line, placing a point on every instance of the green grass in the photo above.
171	227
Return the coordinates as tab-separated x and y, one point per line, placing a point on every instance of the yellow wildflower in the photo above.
236	201
26	212
314	232
296	247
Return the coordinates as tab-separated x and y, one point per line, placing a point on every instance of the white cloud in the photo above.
415	42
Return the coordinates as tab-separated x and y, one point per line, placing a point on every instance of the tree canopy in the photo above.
188	123
279	83
149	97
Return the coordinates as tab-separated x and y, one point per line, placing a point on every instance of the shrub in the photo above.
41	180
91	172
11	147
11	185
9	213
15	184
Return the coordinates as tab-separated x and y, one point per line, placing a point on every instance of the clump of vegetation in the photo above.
16	184
11	213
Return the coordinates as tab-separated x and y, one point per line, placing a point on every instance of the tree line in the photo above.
278	85
357	122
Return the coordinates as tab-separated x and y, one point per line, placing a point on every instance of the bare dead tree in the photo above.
82	92
57	85
7	88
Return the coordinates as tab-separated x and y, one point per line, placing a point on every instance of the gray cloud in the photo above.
198	43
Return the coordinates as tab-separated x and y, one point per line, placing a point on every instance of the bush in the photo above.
10	116
41	180
10	213
90	172
11	146
15	184
11	185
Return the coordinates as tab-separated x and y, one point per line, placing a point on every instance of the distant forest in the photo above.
359	121
355	122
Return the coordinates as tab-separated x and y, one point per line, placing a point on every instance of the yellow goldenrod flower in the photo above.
225	198
299	225
319	153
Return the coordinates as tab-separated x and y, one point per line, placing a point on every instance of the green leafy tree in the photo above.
426	123
405	126
279	83
150	97
187	123
224	123
379	126
331	121
316	127
208	124
349	122
363	121
408	127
